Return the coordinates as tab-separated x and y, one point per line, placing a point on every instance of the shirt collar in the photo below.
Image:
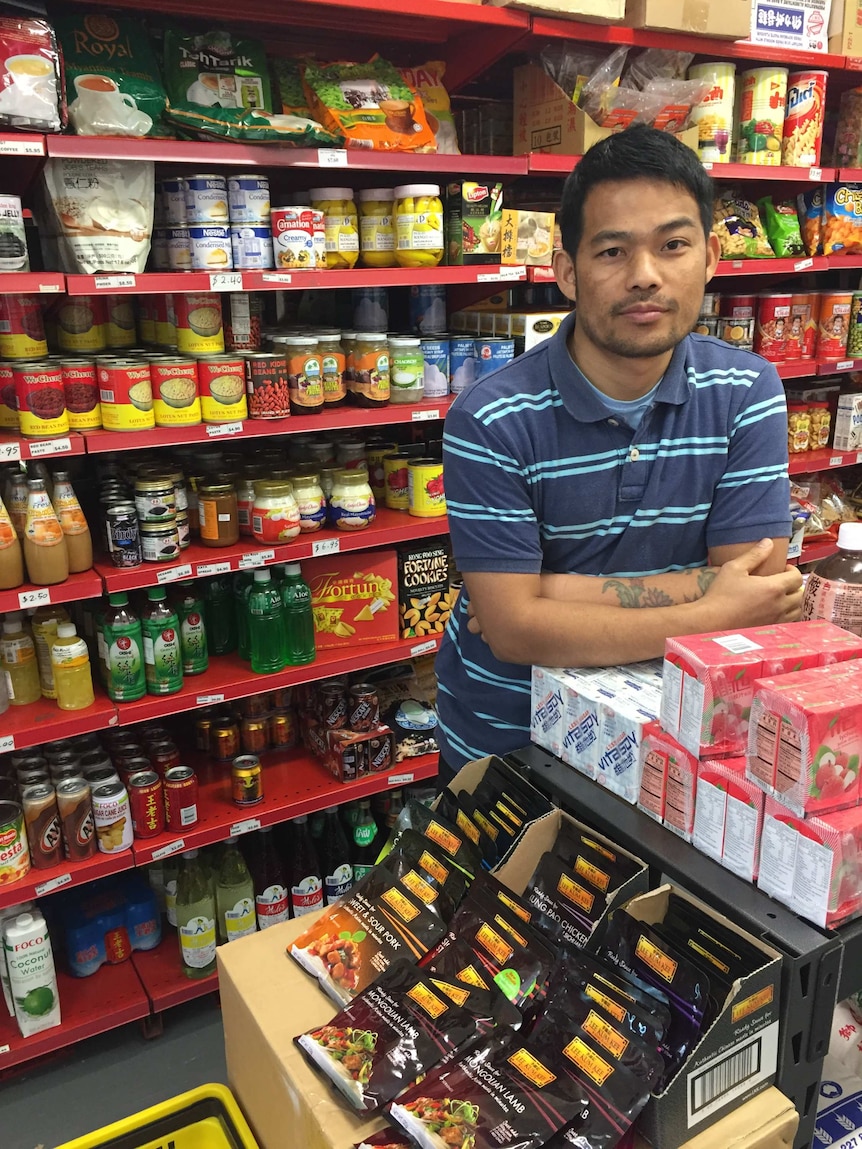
581	400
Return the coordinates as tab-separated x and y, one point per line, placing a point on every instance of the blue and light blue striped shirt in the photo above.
541	475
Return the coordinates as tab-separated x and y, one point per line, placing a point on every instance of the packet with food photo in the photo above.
736	222
809	208
636	1011
31	92
388	1138
427	81
782	226
842	219
299	127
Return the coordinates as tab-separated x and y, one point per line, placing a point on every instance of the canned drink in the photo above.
714	114
425	496
22	329
379	751
396	478
113	818
147	802
14	851
163	755
251	247
32	776
92	759
173	196
100	776
364	707
41	400
13	251
254	735
81	323
281	730
181	798
224	740
131	762
42	821
435	352
123	534
761	116
61	752
298	238
834	324
199	323
176	402
66	774
333	705
76	820
247	780
203	726
255	706
738	332
427	308
206	199
221	382
125	394
248	199
179	249
803	124
463	364
210	246
281	697
81	391
773	322
493	353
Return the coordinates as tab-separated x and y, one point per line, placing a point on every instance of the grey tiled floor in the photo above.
111	1076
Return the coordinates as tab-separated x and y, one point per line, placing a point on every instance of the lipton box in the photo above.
353	598
473	226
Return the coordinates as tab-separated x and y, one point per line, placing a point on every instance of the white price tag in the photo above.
50	288
109	282
7	742
22	147
209	699
53	884
803	264
226	281
400	779
424	647
204	569
501	275
707	165
859	456
244	827
50	447
216	430
256	559
4	1048
34	597
174	573
276	277
423	416
332	157
114	719
815	175
845	365
171	848
736	264
10	452
325	547
837	460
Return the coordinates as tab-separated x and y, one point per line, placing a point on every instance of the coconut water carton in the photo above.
32	979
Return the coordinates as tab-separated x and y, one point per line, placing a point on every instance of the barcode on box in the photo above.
733	1074
740	1066
737	643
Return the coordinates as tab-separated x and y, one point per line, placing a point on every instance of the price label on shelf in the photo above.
112	282
424	647
256	559
53	884
209	699
202	570
174	573
50	288
276	277
34	597
803	264
50	447
22	147
706	165
171	848
114	719
226	281
859	456
400	779
216	430
10	452
332	157
736	264
423	416
502	275
815	175
837	460
7	742
5	1048
845	365
325	547
244	827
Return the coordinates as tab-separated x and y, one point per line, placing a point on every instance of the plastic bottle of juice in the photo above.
303	870
124	650
235	903
834	587
242	584
196	917
16	502
298	619
220	615
163	660
18	660
270	880
70	660
11	559
45	621
75	529
335	858
365	844
45	554
265	625
189	606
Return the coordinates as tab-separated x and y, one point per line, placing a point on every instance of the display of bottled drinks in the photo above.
44	534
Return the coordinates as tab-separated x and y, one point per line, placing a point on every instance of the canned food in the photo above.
161	260
761	116
173	197
22	329
14	851
8	408
181	798
147	803
221	382
426	498
155	499
163	755
41	400
834	324
427	312
462	362
203	726
493	353
266	380
210	248
333	705
224	740
803	124
364	707
242	321
81	323
248	198
76	820
281	697
120	331
13	237
773	321
42	821
123	535
396	481
164	320
254	735
799	346
739	332
81	391
247	780
255	706
206	198
435	353
198	323
125	394
281	730
179	249
298	238
176	402
251	247
160	541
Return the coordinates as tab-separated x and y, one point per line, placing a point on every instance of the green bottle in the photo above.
235	903
242	585
196	917
220	614
298	619
163	660
265	625
189	606
124	651
365	849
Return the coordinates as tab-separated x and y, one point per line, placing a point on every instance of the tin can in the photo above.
425	495
255	706
247	780
76	820
146	319
14	851
13	237
333	705
81	323
224	740
32	776
42	821
800	317
92	759
714	114
266	381
179	246
181	798
125	394
803	124
737	306
131	761
463	364
206	198
254	735
173	196
396	479
248	199
221	383
147	802
100	776
210	246
242	321
120	329
379	751
163	755
159	253
834	324
761	116
773	321
427	308
81	390
298	238
281	697
281	730
160	542
199	323
176	402
113	818
493	353
41	400
22	329
706	325
164	321
376	451
738	332
123	534
364	707
8	402
251	247
203	726
435	352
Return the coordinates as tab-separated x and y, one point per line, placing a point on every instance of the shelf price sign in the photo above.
325	547
10	452
7	742
226	281
50	447
112	282
38	597
53	884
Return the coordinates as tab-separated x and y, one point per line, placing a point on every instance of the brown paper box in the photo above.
591	11
722	19
845	28
768	1121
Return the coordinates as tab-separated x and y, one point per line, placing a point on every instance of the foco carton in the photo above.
728	816
353	604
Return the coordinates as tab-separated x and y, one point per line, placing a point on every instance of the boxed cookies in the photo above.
424	597
353	598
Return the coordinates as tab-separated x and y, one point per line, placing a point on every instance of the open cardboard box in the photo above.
845	28
722	19
767	1121
590	11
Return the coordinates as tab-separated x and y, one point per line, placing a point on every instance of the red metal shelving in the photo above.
38	883
813	552
44	721
830	367
823	459
161	975
22	144
32	282
87	584
546	164
772	266
797	369
14	447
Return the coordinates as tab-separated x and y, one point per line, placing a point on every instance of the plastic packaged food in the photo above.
427	81
782	226
377	227
30	76
418	225
809	206
736	222
848	133
340	224
798	428
842	219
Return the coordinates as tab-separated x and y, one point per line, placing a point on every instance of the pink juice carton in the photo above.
668	776
656	748
728	816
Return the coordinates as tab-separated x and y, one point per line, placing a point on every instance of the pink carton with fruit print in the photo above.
728	816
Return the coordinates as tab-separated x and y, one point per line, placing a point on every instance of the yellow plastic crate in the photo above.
204	1118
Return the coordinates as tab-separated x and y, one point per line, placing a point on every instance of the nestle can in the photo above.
333	705
221	383
147	803
198	318
247	780
22	329
803	123
364	707
435	352
123	535
427	308
298	238
379	752
173	196
463	363
81	389
492	354
159	250
181	798
14	851
773	321
206	199
112	817
248	199
179	249
251	247
210	246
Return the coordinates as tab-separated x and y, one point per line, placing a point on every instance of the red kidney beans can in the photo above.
41	400
81	388
364	707
266	384
148	804
773	324
181	798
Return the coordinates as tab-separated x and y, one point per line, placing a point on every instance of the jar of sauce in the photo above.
244	502
275	515
219	516
377	227
352	506
310	500
304	381
332	362
370	370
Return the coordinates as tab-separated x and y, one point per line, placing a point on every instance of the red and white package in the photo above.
31	84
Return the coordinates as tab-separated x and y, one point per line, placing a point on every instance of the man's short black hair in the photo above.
637	153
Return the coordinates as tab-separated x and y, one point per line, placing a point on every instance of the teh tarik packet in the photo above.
568	907
393	1032
435	826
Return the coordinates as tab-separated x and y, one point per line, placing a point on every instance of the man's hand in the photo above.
756	600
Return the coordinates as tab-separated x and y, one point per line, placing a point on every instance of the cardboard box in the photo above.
546	120
424	595
528	238
473	223
354	598
722	19
801	25
847	434
845	28
839	1106
591	11
768	1121
740	1047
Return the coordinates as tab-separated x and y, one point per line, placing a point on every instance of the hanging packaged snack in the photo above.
842	219
30	76
782	226
296	123
369	104
809	206
736	222
113	84
427	81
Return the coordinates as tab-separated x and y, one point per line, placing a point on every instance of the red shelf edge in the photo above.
160	973
79	873
86	584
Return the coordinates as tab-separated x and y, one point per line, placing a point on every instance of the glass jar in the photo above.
370	369
244	502
348	338
321	452
798	428
340	225
310	500
327	481
181	497
193	484
332	369
275	515
304	381
217	511
350	453
406	369
418	225
351	506
376	227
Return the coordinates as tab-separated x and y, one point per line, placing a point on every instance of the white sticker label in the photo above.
731	1074
325	547
174	573
400	779
332	157
424	647
204	569
226	281
22	147
845	365
216	430
107	282
34	597
7	742
737	644
256	559
4	1048
170	848
815	175
50	288
802	264
422	416
53	884
277	277
10	452
837	460
50	447
859	456
501	275
244	827
736	264
209	699
707	165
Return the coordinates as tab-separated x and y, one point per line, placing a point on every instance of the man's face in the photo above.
641	267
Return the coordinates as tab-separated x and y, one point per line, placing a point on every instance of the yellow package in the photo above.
842	219
737	224
427	80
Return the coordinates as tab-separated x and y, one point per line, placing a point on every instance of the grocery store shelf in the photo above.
546	164
44	721
830	367
14	447
823	459
98	442
797	369
89	1005
161	975
31	282
774	266
38	883
541	275
198	561
87	584
294	783
813	552
22	144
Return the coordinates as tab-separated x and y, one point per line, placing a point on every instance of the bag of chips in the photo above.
842	219
736	222
782	226
300	129
809	207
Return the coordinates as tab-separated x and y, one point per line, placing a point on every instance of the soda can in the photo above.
76	820
364	707
147	803
224	740
42	820
254	735
100	776
181	798
333	706
281	728
203	726
163	755
134	764
124	536
112	817
247	780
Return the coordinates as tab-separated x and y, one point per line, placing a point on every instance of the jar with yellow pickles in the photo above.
340	224
418	225
377	227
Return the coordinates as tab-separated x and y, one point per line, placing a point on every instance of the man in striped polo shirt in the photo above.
621	464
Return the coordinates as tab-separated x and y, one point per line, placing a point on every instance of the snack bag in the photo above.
736	222
112	78
782	226
842	219
30	76
427	81
809	206
300	128
369	104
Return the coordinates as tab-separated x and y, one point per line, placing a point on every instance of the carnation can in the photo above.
41	400
298	238
125	394
198	320
773	321
803	124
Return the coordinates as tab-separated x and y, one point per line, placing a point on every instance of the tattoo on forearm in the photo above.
706	576
634	593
